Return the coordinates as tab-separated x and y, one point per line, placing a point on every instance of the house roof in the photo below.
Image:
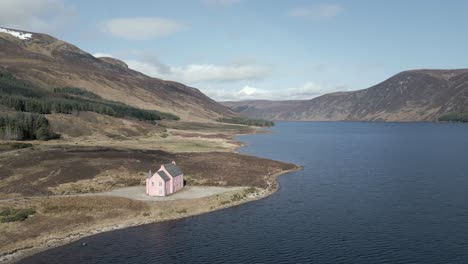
173	169
163	176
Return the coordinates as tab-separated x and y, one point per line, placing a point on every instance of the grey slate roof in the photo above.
173	169
164	176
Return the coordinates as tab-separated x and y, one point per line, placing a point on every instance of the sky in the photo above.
258	49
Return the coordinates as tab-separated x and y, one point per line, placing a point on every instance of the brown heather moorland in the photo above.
50	177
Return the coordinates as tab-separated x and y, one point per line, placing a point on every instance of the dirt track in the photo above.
189	192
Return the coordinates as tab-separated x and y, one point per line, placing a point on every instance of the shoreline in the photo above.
19	254
208	204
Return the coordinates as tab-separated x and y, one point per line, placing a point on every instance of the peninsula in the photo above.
79	134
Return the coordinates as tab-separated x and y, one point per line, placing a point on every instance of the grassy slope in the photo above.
23	96
50	62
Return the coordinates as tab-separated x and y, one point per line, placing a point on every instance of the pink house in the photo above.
167	180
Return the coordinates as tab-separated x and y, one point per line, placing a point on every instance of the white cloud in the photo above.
307	91
245	93
195	73
140	28
251	92
319	12
43	16
99	55
211	79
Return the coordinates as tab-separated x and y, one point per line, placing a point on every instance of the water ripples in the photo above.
362	198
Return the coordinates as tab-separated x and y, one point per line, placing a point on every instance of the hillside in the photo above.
49	63
417	95
263	108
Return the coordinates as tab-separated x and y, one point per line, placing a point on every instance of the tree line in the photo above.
22	97
25	126
30	103
454	117
246	121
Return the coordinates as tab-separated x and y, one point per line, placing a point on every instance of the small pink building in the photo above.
167	180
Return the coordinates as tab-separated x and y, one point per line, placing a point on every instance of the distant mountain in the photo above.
49	62
417	95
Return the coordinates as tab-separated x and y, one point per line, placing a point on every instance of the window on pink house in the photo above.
152	183
160	183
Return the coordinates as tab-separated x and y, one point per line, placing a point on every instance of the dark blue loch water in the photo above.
369	193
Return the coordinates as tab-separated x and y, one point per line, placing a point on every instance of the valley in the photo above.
75	128
160	132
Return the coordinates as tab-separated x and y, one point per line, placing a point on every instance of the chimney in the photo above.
173	162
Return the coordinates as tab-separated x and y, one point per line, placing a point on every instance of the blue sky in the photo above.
258	49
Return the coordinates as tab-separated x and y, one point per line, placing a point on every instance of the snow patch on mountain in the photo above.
20	35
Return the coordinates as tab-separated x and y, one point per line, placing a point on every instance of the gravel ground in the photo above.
139	193
189	192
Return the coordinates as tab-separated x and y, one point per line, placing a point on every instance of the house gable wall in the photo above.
156	186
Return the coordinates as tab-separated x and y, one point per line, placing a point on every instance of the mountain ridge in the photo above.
50	62
413	95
